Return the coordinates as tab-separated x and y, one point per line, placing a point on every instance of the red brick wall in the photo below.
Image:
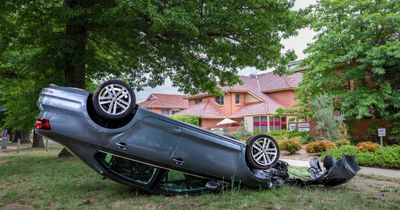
156	110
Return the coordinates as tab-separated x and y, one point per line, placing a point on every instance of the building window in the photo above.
237	98
165	111
219	100
274	123
174	111
197	101
283	123
263	124
259	124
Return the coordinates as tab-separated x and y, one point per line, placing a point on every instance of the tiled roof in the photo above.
205	109
258	86
257	109
270	82
160	100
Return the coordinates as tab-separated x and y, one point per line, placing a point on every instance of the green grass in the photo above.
36	178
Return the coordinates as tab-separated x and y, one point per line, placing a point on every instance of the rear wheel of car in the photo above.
114	100
262	151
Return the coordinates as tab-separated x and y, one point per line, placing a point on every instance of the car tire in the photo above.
262	152
114	100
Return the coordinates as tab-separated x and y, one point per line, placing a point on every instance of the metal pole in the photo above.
47	144
381	138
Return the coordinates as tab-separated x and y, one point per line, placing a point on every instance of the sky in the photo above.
297	43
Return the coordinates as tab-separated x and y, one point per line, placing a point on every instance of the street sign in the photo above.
292	126
304	129
381	132
303	125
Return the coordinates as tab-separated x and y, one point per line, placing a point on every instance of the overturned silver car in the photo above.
145	150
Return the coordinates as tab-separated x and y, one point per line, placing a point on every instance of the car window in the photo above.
129	169
177	182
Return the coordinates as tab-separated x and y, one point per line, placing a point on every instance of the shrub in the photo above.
278	134
320	146
286	134
338	153
308	140
386	157
194	120
242	135
368	146
291	145
342	142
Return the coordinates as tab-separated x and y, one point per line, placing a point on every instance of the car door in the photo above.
205	153
152	139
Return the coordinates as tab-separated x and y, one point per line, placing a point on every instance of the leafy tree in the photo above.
355	57
197	44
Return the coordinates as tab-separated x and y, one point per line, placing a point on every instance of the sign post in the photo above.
4	138
381	134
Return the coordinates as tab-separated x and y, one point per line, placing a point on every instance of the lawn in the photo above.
37	179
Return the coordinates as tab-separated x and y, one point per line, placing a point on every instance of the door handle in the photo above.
121	145
178	161
176	130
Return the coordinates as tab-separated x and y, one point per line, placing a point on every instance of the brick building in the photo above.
252	105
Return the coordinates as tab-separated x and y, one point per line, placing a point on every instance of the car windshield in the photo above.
173	182
129	169
177	182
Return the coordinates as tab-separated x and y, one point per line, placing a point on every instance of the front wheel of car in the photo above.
114	100
262	151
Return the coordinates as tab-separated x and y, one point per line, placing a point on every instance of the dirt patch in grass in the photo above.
5	154
378	183
16	206
2	162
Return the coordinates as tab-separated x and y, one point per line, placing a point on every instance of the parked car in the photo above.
146	150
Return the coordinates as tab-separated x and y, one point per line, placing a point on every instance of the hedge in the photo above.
286	134
291	145
320	146
187	119
385	157
242	135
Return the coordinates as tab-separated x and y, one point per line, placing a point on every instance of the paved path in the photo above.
364	170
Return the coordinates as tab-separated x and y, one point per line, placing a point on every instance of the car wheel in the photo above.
114	100
262	151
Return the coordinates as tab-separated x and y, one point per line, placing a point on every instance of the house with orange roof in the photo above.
165	104
252	105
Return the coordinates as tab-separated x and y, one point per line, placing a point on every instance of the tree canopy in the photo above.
197	44
355	57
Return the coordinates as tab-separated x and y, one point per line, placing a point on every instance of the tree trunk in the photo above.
37	141
12	136
75	64
23	136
